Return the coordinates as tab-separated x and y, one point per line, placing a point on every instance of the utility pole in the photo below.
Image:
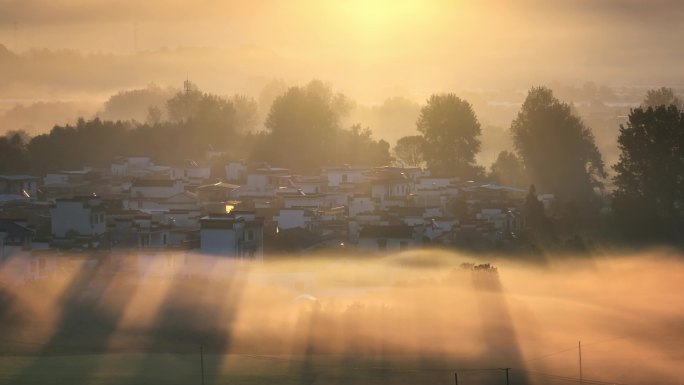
579	345
202	362
455	378
507	370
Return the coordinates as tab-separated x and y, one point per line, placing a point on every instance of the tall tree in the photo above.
14	157
557	149
649	196
302	124
409	150
508	170
451	132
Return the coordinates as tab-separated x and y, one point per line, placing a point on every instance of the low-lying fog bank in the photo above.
429	312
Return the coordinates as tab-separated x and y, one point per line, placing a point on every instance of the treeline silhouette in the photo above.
553	150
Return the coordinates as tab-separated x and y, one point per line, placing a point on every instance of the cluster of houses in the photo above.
137	213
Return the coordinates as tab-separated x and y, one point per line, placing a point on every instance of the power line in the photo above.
573	348
570	379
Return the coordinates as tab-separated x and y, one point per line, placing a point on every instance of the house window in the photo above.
344	178
164	238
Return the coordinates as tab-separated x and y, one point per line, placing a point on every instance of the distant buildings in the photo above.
136	213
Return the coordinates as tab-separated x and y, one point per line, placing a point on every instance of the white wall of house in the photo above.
190	173
390	190
235	171
337	177
359	205
76	215
258	182
292	218
219	242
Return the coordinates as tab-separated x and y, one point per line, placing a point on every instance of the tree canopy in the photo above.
508	170
663	96
304	132
451	132
649	196
557	149
409	150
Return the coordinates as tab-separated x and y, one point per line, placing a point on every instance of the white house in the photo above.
337	176
265	181
238	235
155	188
191	173
236	171
82	216
291	218
360	204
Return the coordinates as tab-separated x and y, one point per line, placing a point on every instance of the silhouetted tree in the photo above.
154	115
508	170
356	146
14	157
534	209
663	96
303	125
451	132
649	197
246	113
135	104
557	149
409	150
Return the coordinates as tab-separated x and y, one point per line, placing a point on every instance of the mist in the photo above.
414	317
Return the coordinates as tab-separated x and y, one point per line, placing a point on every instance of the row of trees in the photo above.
303	132
556	152
553	149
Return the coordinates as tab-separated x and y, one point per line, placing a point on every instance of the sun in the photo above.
377	19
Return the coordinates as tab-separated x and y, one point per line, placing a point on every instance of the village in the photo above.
138	213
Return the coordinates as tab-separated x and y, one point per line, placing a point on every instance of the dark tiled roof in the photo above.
12	228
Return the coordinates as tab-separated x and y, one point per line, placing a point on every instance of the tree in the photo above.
451	132
557	149
409	150
13	153
302	125
649	197
508	170
663	96
247	113
356	146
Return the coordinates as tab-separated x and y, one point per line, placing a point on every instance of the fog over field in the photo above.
408	318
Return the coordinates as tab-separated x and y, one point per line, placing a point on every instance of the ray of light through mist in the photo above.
407	318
